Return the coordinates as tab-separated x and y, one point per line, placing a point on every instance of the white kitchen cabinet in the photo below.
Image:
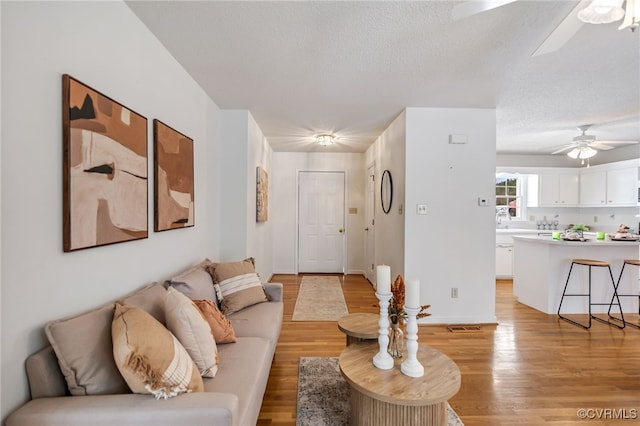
504	256
622	187
559	189
613	187
593	188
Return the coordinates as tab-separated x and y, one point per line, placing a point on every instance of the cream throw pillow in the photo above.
187	323
150	358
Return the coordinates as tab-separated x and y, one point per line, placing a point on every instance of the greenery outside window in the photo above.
509	196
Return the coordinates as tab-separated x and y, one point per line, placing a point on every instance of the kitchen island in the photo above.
541	265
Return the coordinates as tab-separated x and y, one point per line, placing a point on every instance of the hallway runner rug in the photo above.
323	395
320	298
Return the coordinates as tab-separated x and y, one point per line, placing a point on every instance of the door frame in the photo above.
370	204
296	255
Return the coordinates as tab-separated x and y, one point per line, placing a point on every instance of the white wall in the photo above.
234	181
104	45
388	153
454	244
244	148
259	235
283	204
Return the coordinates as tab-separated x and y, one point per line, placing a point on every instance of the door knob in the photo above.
341	230
366	229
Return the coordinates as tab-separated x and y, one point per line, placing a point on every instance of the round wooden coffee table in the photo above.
359	327
388	397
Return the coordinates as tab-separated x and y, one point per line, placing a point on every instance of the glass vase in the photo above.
396	341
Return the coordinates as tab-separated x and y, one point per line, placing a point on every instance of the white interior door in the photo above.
369	223
321	228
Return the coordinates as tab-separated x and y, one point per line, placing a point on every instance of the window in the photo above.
509	195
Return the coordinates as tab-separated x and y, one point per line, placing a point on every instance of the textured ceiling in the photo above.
350	68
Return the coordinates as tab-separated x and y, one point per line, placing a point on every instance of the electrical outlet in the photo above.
532	218
595	219
454	292
421	208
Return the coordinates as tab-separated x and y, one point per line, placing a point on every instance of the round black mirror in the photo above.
386	191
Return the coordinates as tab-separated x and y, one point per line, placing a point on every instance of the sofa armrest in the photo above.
274	291
193	409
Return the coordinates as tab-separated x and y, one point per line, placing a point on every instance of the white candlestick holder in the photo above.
382	359
411	366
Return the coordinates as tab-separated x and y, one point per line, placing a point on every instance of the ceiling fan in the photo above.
586	11
586	146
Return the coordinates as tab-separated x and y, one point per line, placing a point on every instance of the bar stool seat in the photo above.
591	263
634	262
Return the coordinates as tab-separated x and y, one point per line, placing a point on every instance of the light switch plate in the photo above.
483	202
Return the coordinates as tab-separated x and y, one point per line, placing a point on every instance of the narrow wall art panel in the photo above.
174	187
262	195
105	194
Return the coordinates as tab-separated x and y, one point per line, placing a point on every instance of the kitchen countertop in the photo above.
591	241
514	231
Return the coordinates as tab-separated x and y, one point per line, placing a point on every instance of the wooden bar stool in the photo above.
591	264
625	263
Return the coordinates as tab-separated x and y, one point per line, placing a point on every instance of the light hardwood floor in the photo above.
530	369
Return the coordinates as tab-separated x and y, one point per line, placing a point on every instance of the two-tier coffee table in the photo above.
389	398
359	327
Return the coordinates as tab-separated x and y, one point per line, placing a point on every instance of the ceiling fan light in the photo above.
582	152
325	139
602	12
632	15
574	153
587	152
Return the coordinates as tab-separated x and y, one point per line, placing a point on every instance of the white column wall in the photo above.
453	245
234	181
259	235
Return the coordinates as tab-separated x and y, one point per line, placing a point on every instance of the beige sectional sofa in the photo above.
70	386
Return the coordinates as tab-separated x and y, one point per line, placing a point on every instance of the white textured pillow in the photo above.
186	322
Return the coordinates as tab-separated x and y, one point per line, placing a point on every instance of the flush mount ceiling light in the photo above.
325	139
603	11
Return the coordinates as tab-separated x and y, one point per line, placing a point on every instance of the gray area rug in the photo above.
320	298
323	395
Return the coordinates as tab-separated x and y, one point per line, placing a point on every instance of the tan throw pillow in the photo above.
220	325
150	358
85	355
187	323
149	298
195	282
239	284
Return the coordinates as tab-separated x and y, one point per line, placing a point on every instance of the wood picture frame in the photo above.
174	178
105	184
262	195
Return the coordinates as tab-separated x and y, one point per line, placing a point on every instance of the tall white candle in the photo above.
412	294
383	284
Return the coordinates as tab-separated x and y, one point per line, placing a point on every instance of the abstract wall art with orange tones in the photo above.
262	195
105	191
174	183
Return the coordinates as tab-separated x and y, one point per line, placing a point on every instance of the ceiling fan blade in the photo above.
601	146
563	32
563	149
469	8
621	142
